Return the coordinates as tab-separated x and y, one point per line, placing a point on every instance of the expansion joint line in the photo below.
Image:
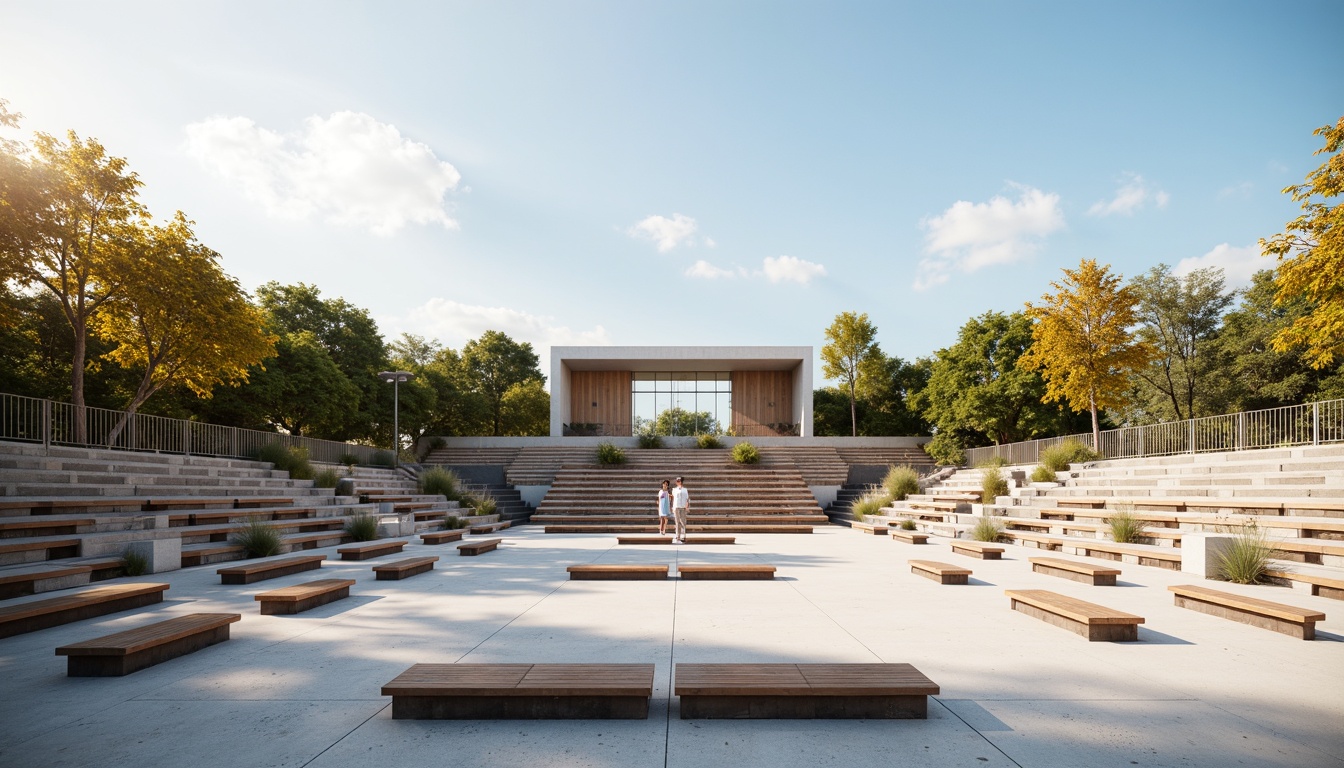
671	664
823	612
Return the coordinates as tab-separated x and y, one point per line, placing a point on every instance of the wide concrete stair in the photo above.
1295	496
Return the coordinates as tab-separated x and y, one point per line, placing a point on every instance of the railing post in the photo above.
1192	435
186	438
1315	423
1241	431
46	424
1142	431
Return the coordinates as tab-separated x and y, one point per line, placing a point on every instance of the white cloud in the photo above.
791	269
704	270
1238	263
1242	190
348	168
969	236
1132	195
667	233
453	324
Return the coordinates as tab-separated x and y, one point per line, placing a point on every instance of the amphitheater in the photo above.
1012	687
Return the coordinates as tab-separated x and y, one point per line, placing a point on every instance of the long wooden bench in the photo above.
480	528
42	577
19	551
803	691
876	529
725	572
42	526
371	550
1095	622
478	547
125	652
85	604
404	569
1322	586
271	569
617	572
942	573
522	692
1096	575
199	555
1160	557
1077	502
1285	619
910	537
303	597
442	537
638	540
1035	540
977	549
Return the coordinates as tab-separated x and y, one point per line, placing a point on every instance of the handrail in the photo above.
1306	424
35	420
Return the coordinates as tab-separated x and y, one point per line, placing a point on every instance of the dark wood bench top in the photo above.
618	572
36	523
98	601
148	636
253	570
523	680
478	546
439	537
1072	608
726	570
408	564
941	569
1076	567
1249	604
371	549
39	571
802	680
914	537
31	545
300	592
668	539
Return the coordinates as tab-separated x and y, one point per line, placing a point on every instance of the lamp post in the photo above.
396	377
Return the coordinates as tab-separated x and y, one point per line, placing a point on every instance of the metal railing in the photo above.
33	420
594	429
1307	424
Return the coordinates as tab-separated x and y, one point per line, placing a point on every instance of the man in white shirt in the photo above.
681	505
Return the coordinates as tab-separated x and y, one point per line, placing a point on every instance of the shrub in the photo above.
907	524
992	485
869	504
609	454
987	529
746	453
291	460
436	443
482	505
134	563
1059	457
1125	527
384	459
993	462
258	539
362	527
1043	474
900	482
1246	560
454	522
444	482
327	478
945	450
708	441
650	440
348	459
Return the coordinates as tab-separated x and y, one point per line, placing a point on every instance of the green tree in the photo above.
977	392
1310	251
1179	319
679	421
851	345
526	409
68	218
181	319
1082	344
301	390
496	363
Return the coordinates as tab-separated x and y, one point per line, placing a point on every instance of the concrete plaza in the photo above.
303	690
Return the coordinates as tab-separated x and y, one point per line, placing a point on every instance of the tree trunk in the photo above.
1096	423
853	412
142	393
78	413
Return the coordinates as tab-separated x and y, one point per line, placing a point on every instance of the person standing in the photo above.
664	507
681	506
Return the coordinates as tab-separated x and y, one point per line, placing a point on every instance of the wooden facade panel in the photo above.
601	397
761	398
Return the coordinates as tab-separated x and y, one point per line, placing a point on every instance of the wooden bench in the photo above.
253	572
876	529
303	597
1034	540
940	572
21	551
199	555
41	577
803	691
521	692
85	604
977	549
404	569
1285	619
668	540
615	572
442	537
1096	575
478	547
1322	586
910	537
479	528
725	572
1139	554
371	550
1095	622
1079	502
39	526
122	653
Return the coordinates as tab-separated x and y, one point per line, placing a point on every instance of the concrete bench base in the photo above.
135	649
803	691
604	572
404	569
303	597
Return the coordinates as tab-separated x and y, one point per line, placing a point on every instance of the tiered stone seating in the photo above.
818	465
467	457
867	456
538	465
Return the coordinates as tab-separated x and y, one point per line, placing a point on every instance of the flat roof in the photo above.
688	358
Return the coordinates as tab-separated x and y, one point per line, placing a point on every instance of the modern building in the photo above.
621	391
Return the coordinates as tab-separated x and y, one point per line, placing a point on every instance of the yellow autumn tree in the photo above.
1310	251
1082	343
180	319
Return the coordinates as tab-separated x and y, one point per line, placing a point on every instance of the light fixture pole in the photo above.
396	377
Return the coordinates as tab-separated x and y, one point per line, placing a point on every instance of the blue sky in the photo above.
694	173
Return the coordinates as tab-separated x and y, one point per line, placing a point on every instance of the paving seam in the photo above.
977	732
842	628
362	723
671	665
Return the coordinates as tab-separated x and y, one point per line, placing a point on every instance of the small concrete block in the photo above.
163	554
1200	553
